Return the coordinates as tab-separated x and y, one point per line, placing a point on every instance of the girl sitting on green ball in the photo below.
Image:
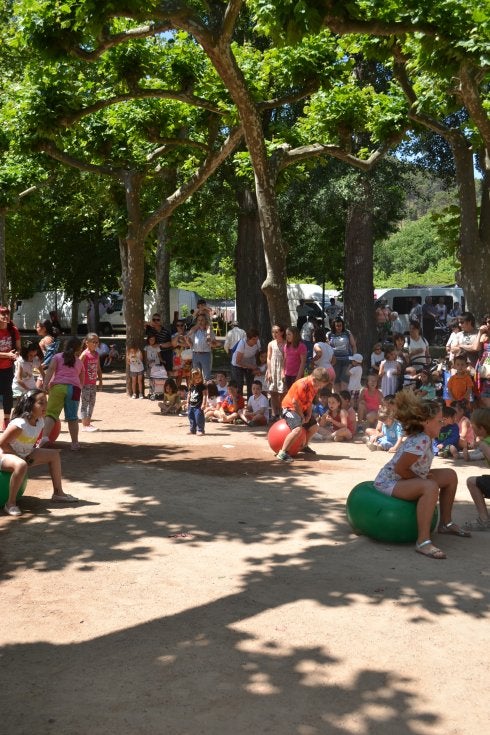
408	475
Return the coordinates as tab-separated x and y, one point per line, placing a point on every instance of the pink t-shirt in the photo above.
90	361
65	375
292	358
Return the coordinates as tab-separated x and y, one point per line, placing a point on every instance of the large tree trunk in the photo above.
133	264
274	285
474	249
252	308
358	291
162	273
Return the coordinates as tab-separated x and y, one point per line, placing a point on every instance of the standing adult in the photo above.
441	310
307	332
163	337
202	339
275	369
467	338
415	314
344	345
244	365
303	311
233	337
9	352
417	349
429	316
332	311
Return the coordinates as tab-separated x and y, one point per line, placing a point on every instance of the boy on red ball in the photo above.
297	406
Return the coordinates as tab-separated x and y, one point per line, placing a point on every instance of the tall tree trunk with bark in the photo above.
252	308
474	246
162	272
274	285
358	291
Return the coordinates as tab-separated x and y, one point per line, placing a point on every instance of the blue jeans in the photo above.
196	419
203	361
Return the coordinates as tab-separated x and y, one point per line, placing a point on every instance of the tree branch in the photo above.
172	142
208	167
289	99
51	150
472	99
231	14
185	97
107	42
285	156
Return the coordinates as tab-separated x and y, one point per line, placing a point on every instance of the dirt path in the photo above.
201	587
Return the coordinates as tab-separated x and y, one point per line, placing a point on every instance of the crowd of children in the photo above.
369	411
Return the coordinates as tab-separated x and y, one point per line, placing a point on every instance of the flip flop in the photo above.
427	548
452	529
67	498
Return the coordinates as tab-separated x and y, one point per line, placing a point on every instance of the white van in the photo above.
401	299
36	309
113	319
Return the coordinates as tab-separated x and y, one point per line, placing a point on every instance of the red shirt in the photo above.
230	404
303	391
6	345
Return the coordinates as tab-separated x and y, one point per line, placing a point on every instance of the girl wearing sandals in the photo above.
408	474
18	452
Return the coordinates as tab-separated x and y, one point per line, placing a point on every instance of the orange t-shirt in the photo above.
303	391
458	385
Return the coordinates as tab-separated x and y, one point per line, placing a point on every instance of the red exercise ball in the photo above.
55	431
278	433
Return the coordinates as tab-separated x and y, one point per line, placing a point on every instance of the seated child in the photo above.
466	433
222	385
212	406
171	405
333	425
228	412
446	444
370	399
256	412
424	386
388	434
346	398
479	487
377	356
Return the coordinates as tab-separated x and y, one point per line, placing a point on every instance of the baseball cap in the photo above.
356	357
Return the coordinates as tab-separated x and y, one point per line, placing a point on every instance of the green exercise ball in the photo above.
4	487
382	517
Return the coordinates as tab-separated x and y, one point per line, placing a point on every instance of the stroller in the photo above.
158	376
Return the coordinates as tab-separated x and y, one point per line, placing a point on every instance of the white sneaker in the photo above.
134	395
12	510
89	428
140	397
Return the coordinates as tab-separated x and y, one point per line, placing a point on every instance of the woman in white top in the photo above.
202	339
323	353
244	361
417	349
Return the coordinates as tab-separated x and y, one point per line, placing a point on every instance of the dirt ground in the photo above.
201	587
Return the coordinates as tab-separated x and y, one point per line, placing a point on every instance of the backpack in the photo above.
50	353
